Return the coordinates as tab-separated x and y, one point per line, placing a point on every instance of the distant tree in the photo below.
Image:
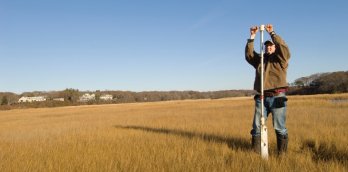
299	83
71	95
97	95
4	100
336	82
11	97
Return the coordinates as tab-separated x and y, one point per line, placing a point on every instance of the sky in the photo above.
160	45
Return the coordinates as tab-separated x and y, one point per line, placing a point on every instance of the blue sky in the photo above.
144	45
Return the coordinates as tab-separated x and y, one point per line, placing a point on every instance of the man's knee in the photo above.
255	132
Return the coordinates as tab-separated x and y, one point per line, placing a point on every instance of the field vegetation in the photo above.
187	135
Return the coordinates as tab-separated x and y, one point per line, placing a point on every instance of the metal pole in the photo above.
264	137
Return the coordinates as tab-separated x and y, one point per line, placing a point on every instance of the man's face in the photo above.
270	48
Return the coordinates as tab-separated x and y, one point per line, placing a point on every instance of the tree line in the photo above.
321	83
71	97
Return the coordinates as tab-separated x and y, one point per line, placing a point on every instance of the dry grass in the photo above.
200	135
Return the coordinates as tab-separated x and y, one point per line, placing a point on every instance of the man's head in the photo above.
270	47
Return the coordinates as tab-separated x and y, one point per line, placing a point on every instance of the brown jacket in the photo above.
275	66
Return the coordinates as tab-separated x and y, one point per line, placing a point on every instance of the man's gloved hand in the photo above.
269	28
253	31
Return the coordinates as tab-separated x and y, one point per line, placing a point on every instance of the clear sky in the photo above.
145	45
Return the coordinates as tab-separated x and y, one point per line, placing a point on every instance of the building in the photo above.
32	99
106	97
87	97
59	99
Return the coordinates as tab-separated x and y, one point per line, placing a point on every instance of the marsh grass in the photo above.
192	135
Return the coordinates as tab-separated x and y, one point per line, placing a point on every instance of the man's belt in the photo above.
275	92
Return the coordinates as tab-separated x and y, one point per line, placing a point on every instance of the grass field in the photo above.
191	135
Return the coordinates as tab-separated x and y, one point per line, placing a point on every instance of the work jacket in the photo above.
275	65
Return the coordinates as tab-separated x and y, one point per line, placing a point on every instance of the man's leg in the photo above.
255	132
279	122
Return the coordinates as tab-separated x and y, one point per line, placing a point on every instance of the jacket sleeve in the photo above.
282	50
251	56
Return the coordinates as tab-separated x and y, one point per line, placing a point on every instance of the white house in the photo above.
106	97
87	97
32	99
59	99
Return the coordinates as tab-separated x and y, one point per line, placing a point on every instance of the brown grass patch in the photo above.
195	135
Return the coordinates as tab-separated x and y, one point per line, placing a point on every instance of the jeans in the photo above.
275	105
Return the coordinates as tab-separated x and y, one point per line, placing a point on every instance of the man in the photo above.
276	60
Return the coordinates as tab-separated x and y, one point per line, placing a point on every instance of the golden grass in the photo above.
192	135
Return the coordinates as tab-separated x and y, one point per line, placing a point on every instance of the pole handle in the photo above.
262	27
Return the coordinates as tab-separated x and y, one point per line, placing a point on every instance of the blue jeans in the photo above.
275	105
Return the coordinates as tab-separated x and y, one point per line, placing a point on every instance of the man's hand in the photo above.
253	31
269	28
